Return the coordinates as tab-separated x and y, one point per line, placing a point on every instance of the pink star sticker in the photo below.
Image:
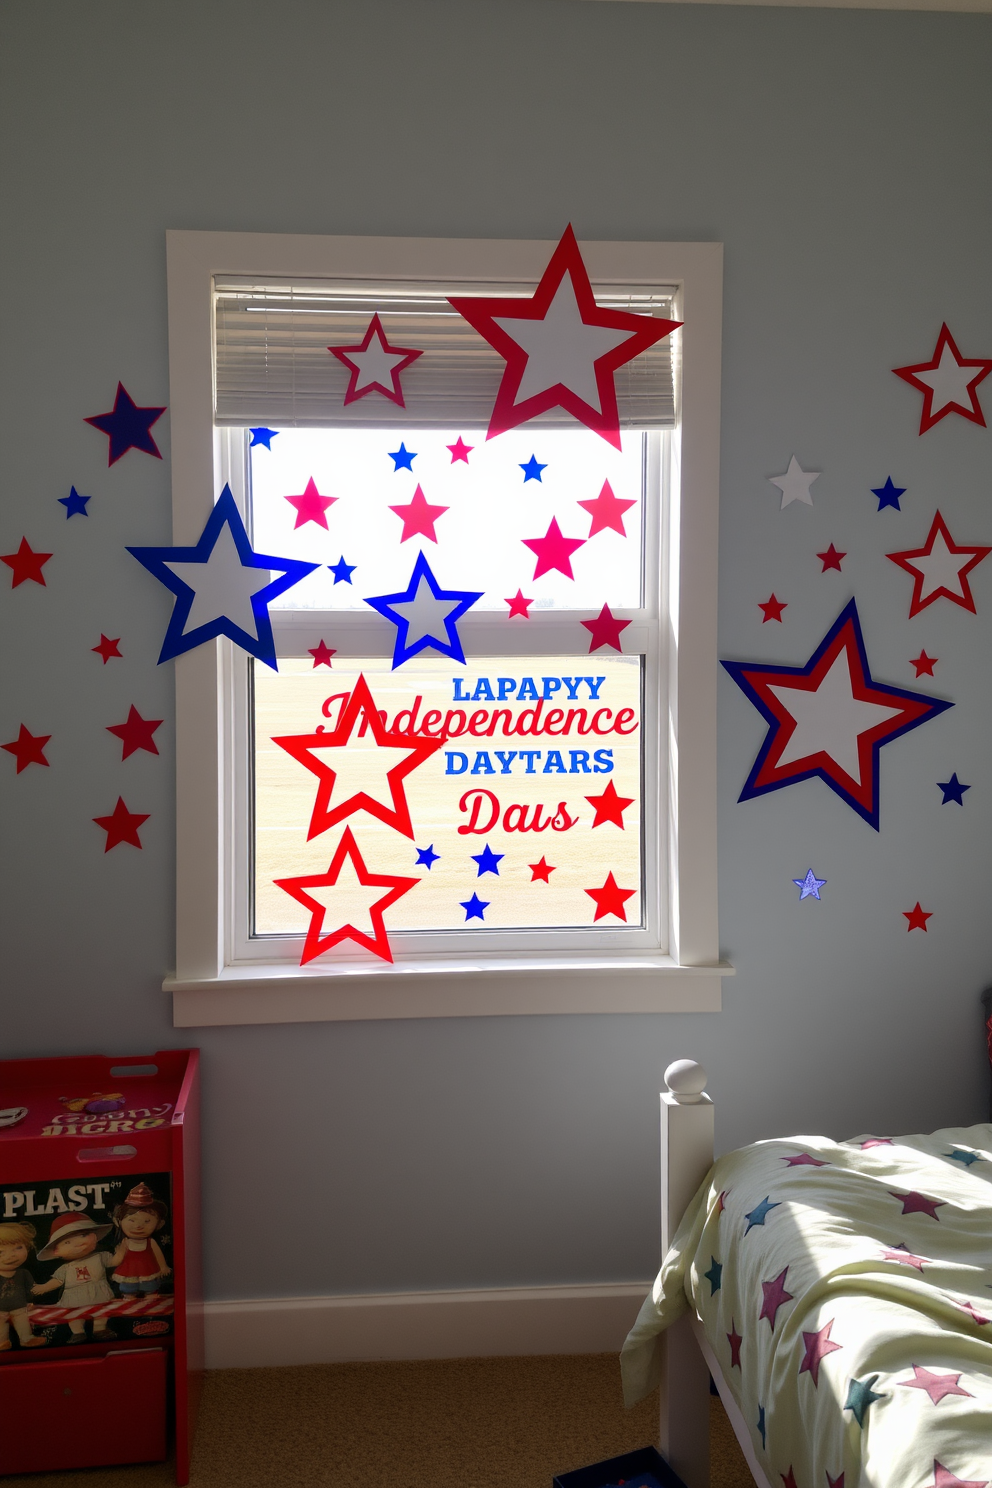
418	517
519	605
322	653
917	1203
460	450
906	1258
606	511
553	551
943	1478
818	1345
775	1296
946	381
936	1385
375	366
804	1160
311	506
605	630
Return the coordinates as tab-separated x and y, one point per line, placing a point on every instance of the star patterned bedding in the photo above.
846	1289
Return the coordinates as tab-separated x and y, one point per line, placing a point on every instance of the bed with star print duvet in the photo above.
846	1290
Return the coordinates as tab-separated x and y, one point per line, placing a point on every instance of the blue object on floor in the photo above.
645	1468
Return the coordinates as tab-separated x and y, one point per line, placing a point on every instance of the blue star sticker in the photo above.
474	907
262	436
222	586
888	495
532	470
967	1158
342	571
402	458
487	860
428	856
761	1424
860	1396
127	426
425	615
75	505
810	886
714	1275
759	1214
953	790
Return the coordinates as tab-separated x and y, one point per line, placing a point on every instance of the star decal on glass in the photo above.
375	365
948	382
402	458
342	571
475	908
418	517
121	826
487	861
322	654
75	505
610	899
348	876
262	437
27	748
519	606
427	857
136	733
606	512
553	551
810	886
532	470
605	630
311	506
460	450
425	615
924	664
831	559
888	495
610	806
128	427
940	569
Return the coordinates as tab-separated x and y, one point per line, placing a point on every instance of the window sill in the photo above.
512	986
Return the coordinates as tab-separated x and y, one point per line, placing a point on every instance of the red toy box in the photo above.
101	1345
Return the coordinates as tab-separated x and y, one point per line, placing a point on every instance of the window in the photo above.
548	825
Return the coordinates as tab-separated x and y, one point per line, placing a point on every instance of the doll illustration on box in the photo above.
16	1284
139	1265
82	1276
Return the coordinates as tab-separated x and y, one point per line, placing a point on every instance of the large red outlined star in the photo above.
135	733
610	899
606	511
375	366
418	517
940	569
26	564
347	904
310	505
553	550
829	718
948	382
27	748
121	825
605	630
610	807
561	348
354	763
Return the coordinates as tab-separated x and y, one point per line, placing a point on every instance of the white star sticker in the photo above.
223	586
950	381
376	363
425	615
561	349
830	720
795	483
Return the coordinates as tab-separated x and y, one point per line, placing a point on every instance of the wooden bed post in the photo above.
686	1158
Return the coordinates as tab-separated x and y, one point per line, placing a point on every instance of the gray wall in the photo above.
843	158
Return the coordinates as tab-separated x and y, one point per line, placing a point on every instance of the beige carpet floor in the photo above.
452	1423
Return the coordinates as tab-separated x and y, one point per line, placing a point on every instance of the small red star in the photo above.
519	605
121	825
460	450
817	1345
905	1258
136	733
605	630
773	609
936	1385
917	917
610	899
924	664
311	506
418	517
735	1340
553	551
107	648
941	382
542	870
322	654
917	1203
610	807
28	749
943	1478
606	511
26	564
831	559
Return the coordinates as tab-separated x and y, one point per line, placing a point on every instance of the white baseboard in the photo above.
590	1319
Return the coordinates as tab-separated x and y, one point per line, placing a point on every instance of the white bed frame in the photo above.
689	1361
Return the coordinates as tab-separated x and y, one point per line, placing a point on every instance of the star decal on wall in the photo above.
924	664
606	512
322	654
460	450
948	382
311	506
888	495
561	348
610	899
817	1346
541	872
347	875
222	586
940	569
917	918
831	559
860	1396
135	733
418	517
519	606
121	826
27	748
795	484
953	790
605	630
937	1386
425	615
829	718
262	437
107	648
128	427
772	609
26	564
775	1296
810	886
375	365
75	505
610	806
553	550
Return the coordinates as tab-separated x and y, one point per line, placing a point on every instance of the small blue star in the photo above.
474	907
402	458
860	1396
487	860
714	1275
532	470
888	495
428	856
810	886
761	1424
953	790
758	1214
75	505
262	436
342	571
964	1157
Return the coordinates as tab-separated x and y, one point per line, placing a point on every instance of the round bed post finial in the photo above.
686	1081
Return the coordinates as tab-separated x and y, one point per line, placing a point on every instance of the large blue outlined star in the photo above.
222	586
425	615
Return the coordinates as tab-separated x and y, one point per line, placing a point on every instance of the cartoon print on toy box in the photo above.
85	1262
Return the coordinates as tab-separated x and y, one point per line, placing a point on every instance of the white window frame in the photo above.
209	985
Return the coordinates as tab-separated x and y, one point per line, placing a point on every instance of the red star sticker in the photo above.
316	943
772	609
609	807
460	450
831	559
322	654
924	664
936	1385
905	1258
804	1160
553	551
943	383
775	1296
735	1340
561	348
542	870
27	748
605	630
917	1203
121	825
107	648
370	364
136	733
606	511
917	917
943	1478
519	605
302	747
418	517
128	427
26	564
817	1345
311	506
610	899
937	568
